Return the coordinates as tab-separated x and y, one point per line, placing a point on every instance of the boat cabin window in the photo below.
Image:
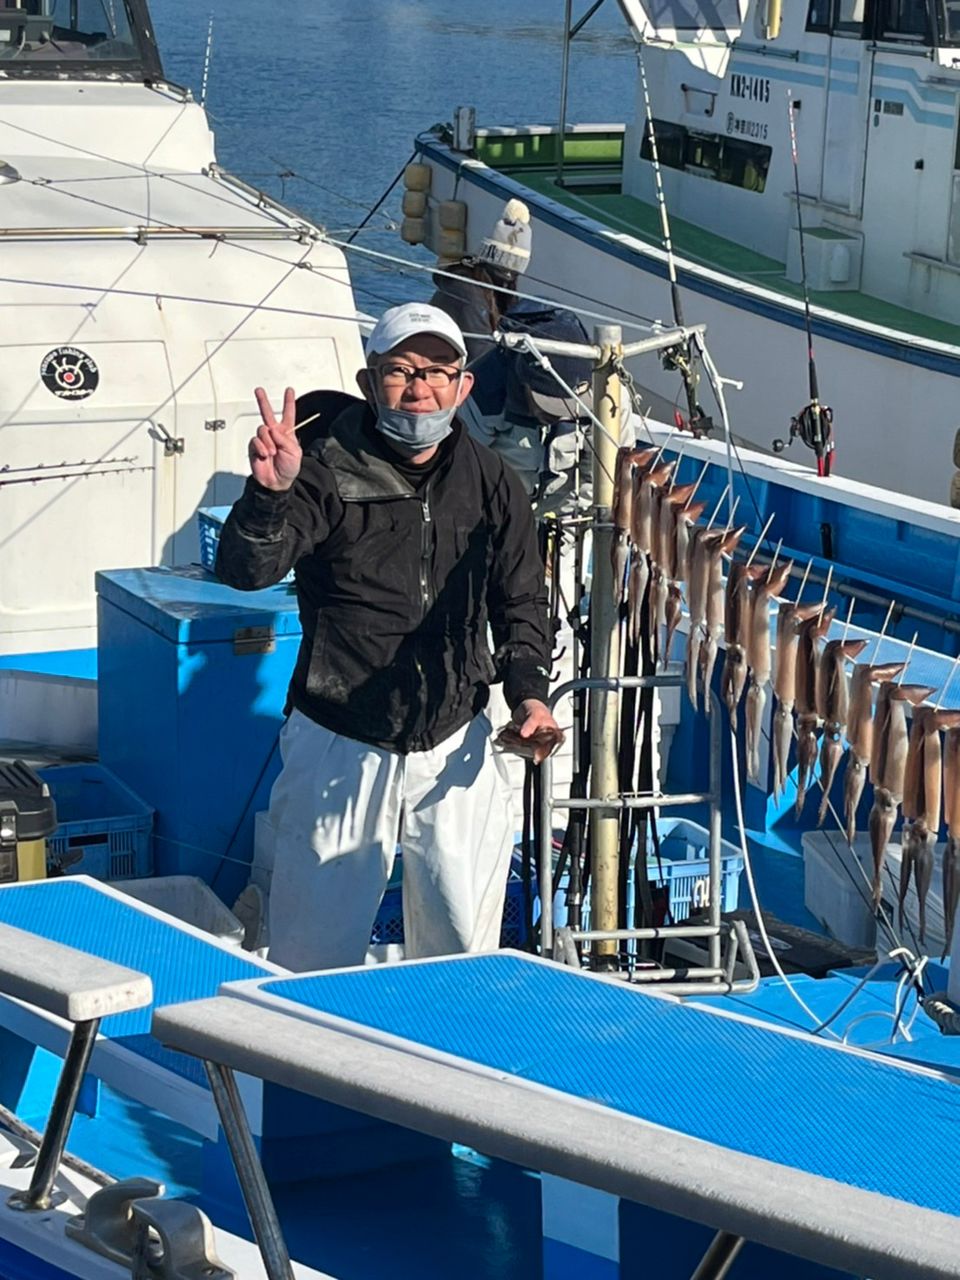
904	20
75	36
837	17
948	22
733	160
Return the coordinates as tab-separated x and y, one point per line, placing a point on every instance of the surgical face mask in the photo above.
411	433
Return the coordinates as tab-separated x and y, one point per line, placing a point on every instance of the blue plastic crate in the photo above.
685	864
210	521
104	828
684	856
388	926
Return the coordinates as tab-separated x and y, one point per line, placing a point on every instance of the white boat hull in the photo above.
895	398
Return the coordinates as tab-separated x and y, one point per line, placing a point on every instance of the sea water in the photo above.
334	92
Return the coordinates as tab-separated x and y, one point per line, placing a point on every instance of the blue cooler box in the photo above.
192	683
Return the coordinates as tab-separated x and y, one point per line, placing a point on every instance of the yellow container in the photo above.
31	859
27	816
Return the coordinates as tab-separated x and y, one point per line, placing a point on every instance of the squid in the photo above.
790	617
703	545
759	660
888	767
860	735
951	854
738	614
646	485
922	789
663	555
623	490
673	517
808	656
714	612
833	705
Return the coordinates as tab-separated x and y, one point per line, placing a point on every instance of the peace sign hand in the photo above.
275	453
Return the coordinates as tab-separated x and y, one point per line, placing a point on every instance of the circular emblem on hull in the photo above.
69	373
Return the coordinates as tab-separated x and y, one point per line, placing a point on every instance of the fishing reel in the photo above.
698	423
814	426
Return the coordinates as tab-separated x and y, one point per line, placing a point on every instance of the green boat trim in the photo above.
592	186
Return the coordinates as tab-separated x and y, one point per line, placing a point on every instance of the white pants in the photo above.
336	811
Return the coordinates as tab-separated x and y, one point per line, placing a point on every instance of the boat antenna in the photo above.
814	423
206	63
681	356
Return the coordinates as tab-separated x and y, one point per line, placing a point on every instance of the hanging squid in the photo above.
790	617
860	722
673	516
951	853
808	655
833	705
738	614
922	788
715	607
623	490
759	659
646	485
701	547
888	767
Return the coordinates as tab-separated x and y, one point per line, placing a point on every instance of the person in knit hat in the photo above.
464	289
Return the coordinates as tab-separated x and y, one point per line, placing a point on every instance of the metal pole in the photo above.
720	1257
546	858
256	1193
604	648
716	827
564	78
38	1194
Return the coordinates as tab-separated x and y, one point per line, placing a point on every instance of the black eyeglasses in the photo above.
437	376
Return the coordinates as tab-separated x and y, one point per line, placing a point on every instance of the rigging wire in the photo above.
697	422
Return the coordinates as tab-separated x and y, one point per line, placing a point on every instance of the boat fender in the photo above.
955	490
772	19
413	230
452	215
451	244
416	177
414	204
956	448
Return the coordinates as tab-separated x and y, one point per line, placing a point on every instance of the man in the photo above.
408	538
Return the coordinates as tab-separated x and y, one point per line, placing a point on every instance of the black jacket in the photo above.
396	587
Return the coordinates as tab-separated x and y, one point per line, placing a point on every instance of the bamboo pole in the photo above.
604	655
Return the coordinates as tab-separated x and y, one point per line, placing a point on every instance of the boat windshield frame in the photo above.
144	67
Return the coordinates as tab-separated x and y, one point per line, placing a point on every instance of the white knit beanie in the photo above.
509	245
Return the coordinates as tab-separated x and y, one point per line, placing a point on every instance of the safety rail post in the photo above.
249	1171
39	1194
604	645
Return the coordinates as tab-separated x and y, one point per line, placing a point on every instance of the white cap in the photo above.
412	318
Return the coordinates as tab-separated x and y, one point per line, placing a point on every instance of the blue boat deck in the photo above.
182	962
598	1041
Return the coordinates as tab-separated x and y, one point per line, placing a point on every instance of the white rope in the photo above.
761	927
651	327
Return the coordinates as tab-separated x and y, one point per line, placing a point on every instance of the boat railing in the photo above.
718	975
82	989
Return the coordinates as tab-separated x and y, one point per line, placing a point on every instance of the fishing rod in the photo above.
814	423
681	358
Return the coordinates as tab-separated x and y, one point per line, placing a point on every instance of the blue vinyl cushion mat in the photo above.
181	966
785	1098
